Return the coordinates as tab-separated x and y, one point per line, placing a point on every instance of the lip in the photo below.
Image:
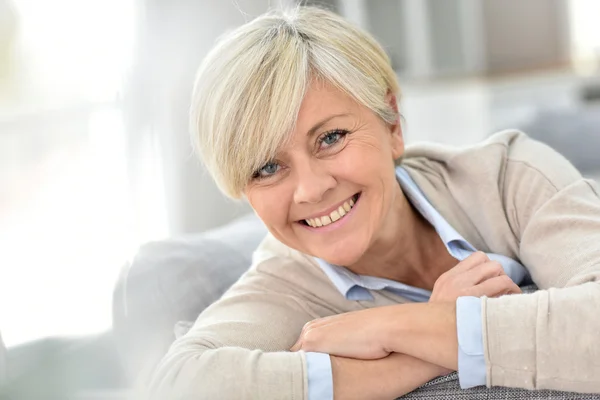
334	225
329	210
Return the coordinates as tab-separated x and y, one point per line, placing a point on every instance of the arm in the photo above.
349	378
236	349
385	378
547	339
555	343
426	331
375	333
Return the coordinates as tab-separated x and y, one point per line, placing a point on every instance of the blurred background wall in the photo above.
94	149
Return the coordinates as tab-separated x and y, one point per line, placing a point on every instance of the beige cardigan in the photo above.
508	195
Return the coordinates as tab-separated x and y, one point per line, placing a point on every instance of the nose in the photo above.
313	180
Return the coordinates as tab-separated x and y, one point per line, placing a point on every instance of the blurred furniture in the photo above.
64	368
168	284
3	363
431	38
575	133
172	281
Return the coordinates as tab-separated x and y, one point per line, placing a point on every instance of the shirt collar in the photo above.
347	282
447	233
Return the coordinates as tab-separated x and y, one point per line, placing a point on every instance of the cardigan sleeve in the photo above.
237	348
549	339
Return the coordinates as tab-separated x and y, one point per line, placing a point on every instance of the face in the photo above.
332	190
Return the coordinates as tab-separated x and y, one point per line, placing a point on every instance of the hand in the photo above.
357	334
474	276
422	330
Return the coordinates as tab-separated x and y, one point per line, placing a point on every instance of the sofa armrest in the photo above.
174	280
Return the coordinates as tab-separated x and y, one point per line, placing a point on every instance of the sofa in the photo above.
168	283
63	368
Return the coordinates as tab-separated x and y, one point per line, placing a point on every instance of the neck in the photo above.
408	249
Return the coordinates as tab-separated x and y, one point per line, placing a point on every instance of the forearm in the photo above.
426	331
385	378
196	367
552	336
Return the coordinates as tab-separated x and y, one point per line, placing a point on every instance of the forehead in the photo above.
323	100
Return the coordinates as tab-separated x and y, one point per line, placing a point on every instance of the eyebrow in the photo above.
319	124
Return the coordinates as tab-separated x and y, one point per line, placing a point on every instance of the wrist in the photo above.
394	327
426	331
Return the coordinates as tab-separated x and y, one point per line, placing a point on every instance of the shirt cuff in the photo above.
471	360
320	377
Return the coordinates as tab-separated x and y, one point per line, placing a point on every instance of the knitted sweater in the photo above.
508	195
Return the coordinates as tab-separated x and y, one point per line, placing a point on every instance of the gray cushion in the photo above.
447	388
174	280
573	133
3	363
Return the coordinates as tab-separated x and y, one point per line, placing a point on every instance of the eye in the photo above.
332	137
267	170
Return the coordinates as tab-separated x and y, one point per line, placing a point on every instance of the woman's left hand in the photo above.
421	330
358	334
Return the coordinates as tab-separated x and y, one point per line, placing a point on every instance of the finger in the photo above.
297	346
483	272
475	259
514	290
308	329
493	287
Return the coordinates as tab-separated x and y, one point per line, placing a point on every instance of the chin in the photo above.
341	261
345	252
346	256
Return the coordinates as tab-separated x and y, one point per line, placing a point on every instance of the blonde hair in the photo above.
249	88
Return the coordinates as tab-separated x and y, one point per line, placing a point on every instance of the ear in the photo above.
397	139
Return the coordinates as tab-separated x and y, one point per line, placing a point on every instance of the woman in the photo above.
385	267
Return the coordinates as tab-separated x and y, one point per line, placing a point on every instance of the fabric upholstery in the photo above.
3	363
174	280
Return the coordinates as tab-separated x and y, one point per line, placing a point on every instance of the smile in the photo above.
333	216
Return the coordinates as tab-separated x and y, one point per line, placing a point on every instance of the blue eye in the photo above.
267	170
331	138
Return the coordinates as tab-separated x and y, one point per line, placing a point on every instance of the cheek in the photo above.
361	162
269	208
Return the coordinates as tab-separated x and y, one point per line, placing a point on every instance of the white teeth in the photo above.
334	216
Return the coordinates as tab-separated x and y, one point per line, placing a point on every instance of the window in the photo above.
66	217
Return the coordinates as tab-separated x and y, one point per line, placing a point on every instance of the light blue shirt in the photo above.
471	361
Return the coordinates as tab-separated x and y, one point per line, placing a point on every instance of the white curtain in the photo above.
94	150
66	224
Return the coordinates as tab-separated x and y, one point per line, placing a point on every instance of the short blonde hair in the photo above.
249	88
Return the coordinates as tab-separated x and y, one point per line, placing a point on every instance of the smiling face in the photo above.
332	190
